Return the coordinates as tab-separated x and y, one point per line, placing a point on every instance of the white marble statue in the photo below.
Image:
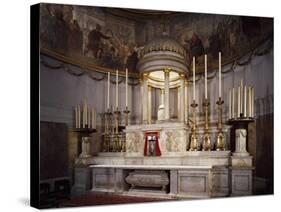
161	113
85	147
240	140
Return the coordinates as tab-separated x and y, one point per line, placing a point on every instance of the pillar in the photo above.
161	96
186	108
182	109
167	94
145	98
149	106
141	98
179	103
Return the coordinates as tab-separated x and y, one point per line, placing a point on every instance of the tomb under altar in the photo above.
169	154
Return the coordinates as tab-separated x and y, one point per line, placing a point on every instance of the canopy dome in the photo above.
160	54
163	43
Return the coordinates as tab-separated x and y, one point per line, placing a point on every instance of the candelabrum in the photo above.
107	130
117	116
206	138
194	143
126	112
220	146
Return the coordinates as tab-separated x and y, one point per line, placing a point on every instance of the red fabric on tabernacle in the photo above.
157	147
158	152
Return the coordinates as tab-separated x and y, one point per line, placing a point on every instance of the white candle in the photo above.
206	90
85	121
193	78
238	104
253	102
95	122
219	74
76	117
250	102
126	87
93	118
233	102
89	118
245	101
116	95
108	89
79	116
241	95
229	104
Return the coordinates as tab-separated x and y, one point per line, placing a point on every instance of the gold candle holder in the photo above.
106	142
220	146
126	111
194	143
117	114
206	138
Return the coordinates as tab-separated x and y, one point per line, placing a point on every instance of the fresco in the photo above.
110	38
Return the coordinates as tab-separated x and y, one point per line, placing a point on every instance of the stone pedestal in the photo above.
82	181
241	180
241	161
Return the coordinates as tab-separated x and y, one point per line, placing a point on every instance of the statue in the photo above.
240	135
161	113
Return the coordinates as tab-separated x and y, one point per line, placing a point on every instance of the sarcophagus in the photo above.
148	178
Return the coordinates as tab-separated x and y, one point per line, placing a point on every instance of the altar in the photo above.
165	155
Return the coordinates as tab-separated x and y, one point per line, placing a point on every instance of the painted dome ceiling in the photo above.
106	39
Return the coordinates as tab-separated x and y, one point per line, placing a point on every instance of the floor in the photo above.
106	199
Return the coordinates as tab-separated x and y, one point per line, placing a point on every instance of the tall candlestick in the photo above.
241	95
219	74
108	89
253	102
126	87
249	102
85	121
229	104
89	118
233	102
94	118
79	117
116	95
245	101
76	117
193	78
206	90
238	104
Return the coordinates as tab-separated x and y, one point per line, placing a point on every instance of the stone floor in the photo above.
92	198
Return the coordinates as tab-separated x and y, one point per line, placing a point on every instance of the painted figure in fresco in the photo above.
196	47
133	60
215	45
75	38
95	41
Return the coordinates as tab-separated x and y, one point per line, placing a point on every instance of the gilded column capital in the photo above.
182	76
167	70
145	75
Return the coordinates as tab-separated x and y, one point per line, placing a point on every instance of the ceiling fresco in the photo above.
107	39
